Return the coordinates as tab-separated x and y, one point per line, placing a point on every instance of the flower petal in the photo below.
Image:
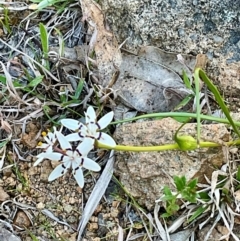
40	159
74	137
90	115
59	171
71	124
85	147
105	139
64	143
105	120
91	165
54	156
78	174
43	146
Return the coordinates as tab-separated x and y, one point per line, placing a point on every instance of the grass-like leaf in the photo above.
186	81
184	102
35	82
44	42
78	90
200	73
197	213
238	173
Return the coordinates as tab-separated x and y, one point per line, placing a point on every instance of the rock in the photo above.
215	235
21	220
144	174
189	26
7	235
3	195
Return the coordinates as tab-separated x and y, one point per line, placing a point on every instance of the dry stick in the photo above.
13	8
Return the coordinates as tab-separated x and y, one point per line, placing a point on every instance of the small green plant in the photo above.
68	100
59	4
5	22
185	191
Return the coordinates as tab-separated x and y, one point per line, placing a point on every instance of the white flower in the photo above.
50	139
69	158
91	129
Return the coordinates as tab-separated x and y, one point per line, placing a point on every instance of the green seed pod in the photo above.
186	143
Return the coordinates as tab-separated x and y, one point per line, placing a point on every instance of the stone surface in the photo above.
21	220
7	235
144	174
3	195
189	26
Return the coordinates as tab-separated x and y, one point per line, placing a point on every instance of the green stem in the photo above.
174	146
176	114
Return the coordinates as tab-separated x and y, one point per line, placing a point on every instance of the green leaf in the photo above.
184	102
33	237
189	196
45	3
199	73
187	81
35	81
197	213
238	173
168	198
166	215
46	110
172	208
67	103
3	143
167	191
3	80
44	38
180	182
192	184
79	89
204	196
44	42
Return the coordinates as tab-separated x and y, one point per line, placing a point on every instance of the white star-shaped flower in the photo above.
69	158
91	128
50	140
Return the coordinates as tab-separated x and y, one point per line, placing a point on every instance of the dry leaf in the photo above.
146	84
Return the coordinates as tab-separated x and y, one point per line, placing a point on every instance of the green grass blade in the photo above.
176	114
35	81
198	112
199	72
44	42
238	173
79	89
197	213
186	81
184	102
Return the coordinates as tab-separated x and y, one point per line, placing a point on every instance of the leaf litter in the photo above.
147	82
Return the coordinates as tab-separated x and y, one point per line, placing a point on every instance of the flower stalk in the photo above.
168	147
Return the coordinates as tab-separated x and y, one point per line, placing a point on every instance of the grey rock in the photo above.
190	26
181	32
6	235
217	39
